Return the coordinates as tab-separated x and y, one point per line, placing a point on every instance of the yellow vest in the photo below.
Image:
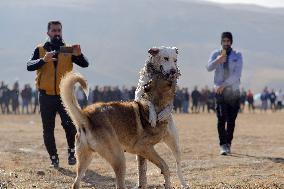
48	77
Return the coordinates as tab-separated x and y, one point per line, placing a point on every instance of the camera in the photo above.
64	49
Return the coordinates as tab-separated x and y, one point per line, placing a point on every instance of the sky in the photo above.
265	3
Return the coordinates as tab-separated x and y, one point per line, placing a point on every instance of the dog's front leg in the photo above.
150	154
142	172
172	141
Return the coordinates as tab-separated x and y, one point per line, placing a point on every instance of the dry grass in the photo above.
257	160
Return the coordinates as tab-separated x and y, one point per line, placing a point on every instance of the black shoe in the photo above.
54	161
71	157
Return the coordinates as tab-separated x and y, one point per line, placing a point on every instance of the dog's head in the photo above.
164	60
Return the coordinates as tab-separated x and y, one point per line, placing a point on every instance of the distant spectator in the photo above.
96	95
195	96
2	87
264	99
272	98
116	94
6	99
280	100
125	94
250	100
26	95
15	98
185	103
132	93
178	101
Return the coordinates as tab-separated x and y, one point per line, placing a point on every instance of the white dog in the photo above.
161	59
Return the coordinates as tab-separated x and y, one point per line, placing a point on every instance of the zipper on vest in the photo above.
55	76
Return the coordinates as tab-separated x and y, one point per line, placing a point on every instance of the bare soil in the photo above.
257	159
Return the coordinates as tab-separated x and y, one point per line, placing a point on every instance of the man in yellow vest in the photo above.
51	64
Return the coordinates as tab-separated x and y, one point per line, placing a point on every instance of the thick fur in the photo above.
112	128
152	66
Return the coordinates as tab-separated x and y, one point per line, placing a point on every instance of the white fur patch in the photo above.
165	113
152	115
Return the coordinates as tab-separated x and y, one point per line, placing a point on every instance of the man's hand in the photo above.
221	59
220	90
76	50
49	56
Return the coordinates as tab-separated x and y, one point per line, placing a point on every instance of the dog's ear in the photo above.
153	51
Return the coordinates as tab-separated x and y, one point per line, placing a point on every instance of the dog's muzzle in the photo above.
171	75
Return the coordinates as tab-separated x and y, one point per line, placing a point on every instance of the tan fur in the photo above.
112	128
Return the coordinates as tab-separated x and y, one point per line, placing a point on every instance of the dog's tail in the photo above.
69	101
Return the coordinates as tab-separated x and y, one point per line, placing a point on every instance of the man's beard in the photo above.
56	40
226	47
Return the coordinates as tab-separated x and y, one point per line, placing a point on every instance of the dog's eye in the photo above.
166	58
175	60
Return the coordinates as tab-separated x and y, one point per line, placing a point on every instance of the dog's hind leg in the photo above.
112	152
172	141
150	153
142	170
84	158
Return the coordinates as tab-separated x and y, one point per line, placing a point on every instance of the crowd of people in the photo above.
25	101
16	101
204	100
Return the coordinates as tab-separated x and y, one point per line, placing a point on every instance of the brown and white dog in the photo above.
161	60
112	128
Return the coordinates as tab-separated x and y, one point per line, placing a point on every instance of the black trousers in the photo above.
49	106
227	111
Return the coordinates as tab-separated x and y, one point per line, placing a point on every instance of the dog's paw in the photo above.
185	186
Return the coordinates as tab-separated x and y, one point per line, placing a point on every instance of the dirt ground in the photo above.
257	159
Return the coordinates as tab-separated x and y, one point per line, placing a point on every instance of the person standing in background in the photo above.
51	65
185	102
195	96
250	100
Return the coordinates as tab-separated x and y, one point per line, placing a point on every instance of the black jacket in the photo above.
36	62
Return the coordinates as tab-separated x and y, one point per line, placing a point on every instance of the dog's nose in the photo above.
172	71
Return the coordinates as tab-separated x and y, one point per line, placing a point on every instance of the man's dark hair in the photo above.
227	35
53	23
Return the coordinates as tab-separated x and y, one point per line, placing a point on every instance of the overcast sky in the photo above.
266	3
